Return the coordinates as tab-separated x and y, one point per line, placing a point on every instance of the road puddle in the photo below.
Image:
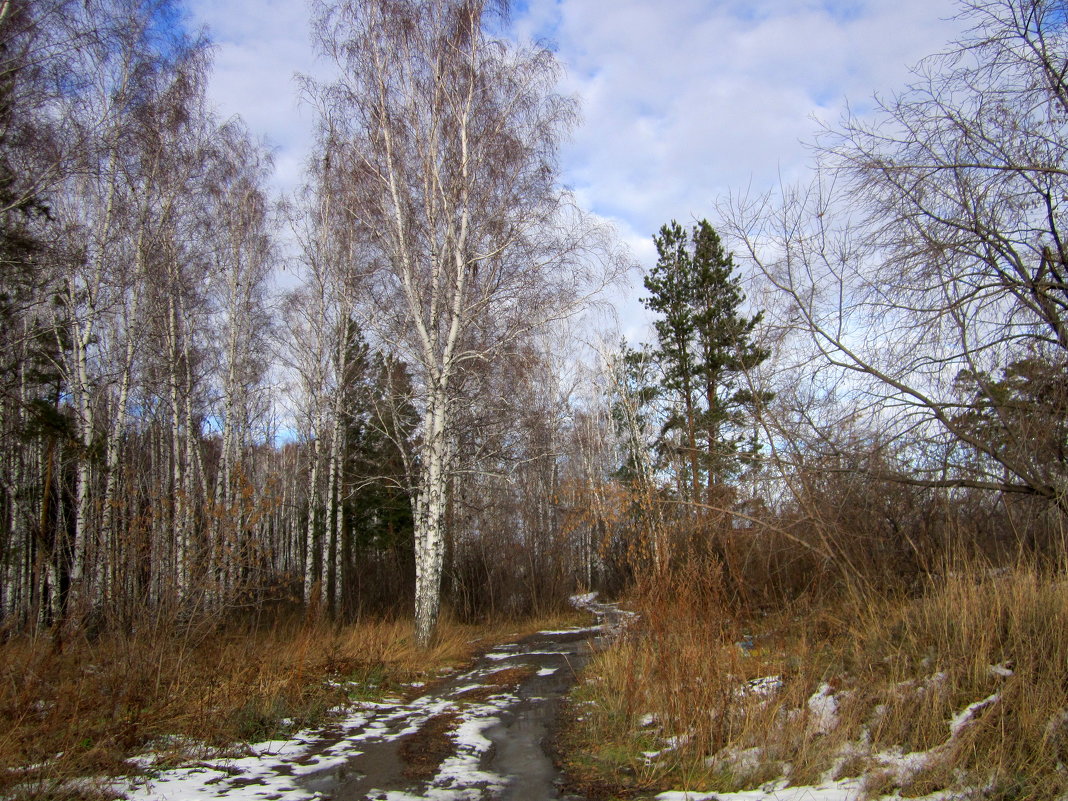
482	733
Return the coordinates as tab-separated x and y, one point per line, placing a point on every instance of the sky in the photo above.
682	100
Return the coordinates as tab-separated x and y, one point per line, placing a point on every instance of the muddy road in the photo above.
484	732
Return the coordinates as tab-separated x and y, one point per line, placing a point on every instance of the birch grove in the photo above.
447	142
154	235
182	436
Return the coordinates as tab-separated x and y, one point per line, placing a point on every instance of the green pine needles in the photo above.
705	346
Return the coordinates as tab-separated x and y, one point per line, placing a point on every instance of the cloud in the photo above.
686	100
259	47
682	100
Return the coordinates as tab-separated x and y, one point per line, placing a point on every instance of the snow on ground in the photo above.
822	718
586	630
275	770
764	687
269	771
460	777
845	790
498	656
583	600
966	715
823	709
613	620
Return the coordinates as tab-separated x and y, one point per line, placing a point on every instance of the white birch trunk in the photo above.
18	532
178	469
311	538
326	564
339	553
193	485
430	519
332	556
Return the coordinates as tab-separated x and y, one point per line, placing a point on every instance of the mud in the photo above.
500	714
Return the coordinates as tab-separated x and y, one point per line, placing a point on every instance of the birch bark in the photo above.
444	144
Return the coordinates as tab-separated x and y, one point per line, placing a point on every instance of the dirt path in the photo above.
482	733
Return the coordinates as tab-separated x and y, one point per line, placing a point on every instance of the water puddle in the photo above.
483	733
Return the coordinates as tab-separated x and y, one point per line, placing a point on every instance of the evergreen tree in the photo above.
672	287
704	347
379	425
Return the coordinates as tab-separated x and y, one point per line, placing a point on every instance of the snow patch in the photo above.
823	710
583	600
967	715
845	790
741	760
496	657
761	687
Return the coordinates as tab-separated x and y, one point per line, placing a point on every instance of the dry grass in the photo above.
83	710
899	671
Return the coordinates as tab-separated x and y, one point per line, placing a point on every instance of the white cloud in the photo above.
260	45
682	100
685	99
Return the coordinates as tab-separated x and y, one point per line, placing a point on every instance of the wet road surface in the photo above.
482	733
499	715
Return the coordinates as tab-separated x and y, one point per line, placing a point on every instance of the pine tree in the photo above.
672	287
704	346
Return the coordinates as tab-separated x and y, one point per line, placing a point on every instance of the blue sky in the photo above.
683	100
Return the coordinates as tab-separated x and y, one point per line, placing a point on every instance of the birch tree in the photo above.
447	139
125	116
239	215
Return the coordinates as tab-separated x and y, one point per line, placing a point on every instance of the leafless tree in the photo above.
448	139
923	271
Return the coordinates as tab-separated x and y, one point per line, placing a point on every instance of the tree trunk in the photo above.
430	519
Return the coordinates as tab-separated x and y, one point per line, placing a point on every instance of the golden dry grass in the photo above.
900	669
84	709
